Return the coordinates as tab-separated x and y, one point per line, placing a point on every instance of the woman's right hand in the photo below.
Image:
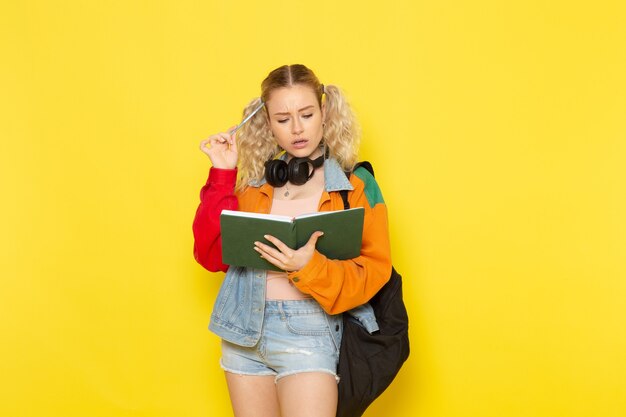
221	149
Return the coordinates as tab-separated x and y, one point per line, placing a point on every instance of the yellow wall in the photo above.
498	131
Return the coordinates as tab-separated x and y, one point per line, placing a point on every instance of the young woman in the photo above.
281	331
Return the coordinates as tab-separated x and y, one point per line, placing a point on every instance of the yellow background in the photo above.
498	132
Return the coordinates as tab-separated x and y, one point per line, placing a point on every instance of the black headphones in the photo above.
297	172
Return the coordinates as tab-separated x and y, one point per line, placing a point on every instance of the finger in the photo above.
230	136
313	239
233	142
279	244
271	259
203	146
224	137
217	140
227	139
266	249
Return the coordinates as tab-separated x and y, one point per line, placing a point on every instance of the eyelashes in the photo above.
306	116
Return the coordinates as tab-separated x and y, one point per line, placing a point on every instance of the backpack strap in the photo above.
344	197
365	164
344	193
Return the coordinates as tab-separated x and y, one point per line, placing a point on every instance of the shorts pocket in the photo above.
308	324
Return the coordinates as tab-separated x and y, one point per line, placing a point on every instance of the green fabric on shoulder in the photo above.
372	191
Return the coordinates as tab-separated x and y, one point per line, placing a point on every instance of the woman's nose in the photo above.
296	127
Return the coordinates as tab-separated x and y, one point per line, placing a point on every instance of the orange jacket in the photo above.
337	285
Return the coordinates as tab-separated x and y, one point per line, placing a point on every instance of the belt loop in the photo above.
281	309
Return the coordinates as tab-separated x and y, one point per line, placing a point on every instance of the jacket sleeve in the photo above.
216	195
341	285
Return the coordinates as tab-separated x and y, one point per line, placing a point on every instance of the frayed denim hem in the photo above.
232	371
300	371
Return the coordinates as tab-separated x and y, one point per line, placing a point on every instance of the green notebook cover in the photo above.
342	229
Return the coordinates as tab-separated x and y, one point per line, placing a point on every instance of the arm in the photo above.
216	195
341	285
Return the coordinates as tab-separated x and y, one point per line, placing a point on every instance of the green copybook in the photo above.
342	229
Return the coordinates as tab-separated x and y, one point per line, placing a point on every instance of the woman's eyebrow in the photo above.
299	110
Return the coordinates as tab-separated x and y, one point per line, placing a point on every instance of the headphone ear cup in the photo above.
276	173
299	171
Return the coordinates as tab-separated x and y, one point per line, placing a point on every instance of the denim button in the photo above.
336	327
296	279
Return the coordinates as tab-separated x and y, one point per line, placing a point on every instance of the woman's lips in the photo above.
300	143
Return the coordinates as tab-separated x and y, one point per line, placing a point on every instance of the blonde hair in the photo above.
255	142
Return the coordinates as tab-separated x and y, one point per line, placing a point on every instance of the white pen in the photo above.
248	117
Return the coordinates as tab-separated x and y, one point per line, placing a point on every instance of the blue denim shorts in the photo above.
295	338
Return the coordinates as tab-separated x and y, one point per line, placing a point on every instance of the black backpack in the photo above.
369	362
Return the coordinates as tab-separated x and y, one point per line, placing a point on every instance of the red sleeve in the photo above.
216	195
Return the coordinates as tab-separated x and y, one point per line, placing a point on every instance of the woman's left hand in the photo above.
284	257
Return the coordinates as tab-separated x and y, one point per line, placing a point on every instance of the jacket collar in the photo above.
335	178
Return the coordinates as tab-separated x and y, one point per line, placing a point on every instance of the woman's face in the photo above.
295	119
